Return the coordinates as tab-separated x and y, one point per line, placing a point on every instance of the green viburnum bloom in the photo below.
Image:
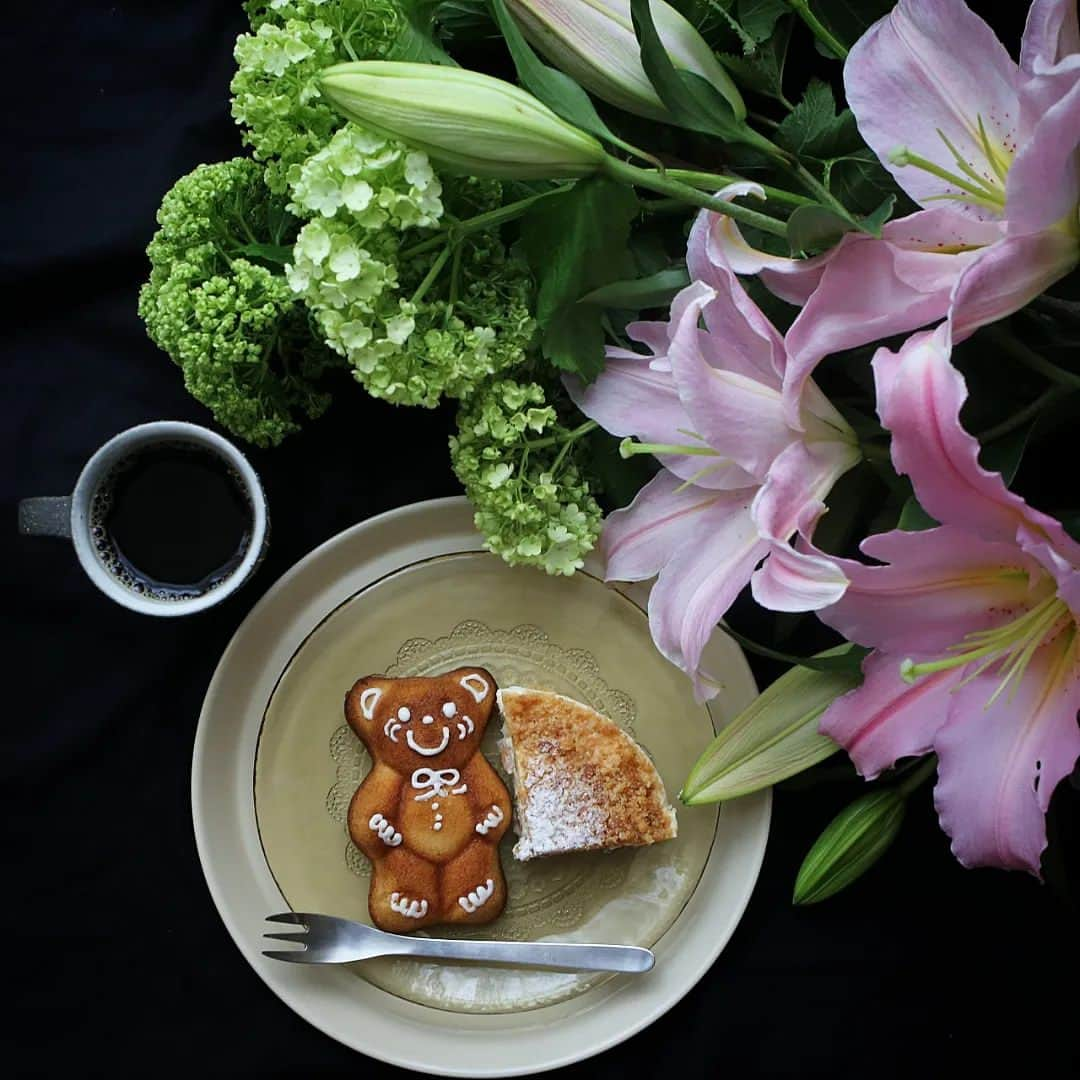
413	327
517	463
224	312
275	93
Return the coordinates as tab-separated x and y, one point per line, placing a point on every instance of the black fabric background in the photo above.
116	960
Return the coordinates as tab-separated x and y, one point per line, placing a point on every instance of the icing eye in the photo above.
404	715
449	710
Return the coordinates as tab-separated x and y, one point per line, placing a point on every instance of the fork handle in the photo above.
569	955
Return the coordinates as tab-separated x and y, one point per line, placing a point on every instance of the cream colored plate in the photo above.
398	593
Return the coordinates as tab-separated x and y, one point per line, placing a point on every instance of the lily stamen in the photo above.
629	447
975	188
1012	645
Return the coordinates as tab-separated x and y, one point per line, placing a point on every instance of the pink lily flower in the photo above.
737	482
988	149
973	626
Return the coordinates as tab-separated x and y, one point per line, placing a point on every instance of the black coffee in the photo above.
171	521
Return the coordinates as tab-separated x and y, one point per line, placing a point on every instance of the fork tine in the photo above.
297	956
300	937
287	916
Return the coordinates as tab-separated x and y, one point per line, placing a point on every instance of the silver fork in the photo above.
330	940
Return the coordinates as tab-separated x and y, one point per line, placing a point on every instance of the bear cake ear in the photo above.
477	686
369	698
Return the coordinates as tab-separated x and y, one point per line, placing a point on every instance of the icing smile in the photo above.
428	751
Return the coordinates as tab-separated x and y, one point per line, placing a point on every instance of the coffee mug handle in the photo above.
47	515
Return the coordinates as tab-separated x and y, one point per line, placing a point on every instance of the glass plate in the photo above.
573	635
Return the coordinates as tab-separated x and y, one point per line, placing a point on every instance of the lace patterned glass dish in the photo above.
571	635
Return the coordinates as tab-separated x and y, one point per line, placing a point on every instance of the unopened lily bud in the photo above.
593	41
852	842
472	122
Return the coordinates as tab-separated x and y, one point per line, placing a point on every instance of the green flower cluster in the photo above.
276	98
516	461
413	327
216	306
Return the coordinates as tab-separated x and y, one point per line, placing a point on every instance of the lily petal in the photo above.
920	395
1043	185
940	585
630	397
1061	561
717	241
871	291
1007	276
1050	35
737	416
665	515
744	339
792	580
886	718
999	763
907	78
791	499
700	582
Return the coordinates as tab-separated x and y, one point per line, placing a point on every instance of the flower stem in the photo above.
568	438
919	775
489	220
712	181
665	185
1029	412
817	28
432	274
1033	360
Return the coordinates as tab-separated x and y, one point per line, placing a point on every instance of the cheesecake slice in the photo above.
581	783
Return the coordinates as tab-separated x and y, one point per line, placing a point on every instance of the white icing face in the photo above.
462	728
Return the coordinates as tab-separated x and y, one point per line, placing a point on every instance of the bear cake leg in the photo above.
473	887
404	893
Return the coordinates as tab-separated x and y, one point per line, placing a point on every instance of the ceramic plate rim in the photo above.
605	1017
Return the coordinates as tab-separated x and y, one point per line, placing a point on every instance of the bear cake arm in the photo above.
373	812
489	799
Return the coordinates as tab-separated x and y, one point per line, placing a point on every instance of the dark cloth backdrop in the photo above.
120	963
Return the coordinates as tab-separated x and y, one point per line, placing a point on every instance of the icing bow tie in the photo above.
437	782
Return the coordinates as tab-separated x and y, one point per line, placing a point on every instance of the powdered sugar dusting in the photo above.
564	813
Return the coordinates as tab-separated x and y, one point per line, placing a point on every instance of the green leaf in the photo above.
656	290
813	128
759	17
873	221
852	842
814	228
416	43
913	518
774	737
693	102
848	21
275	254
468	20
860	182
556	90
575	244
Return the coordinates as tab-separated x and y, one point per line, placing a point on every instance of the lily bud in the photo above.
852	842
593	41
472	122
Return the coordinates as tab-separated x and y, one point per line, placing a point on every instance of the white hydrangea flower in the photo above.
377	182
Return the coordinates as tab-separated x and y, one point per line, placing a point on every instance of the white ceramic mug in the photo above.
69	515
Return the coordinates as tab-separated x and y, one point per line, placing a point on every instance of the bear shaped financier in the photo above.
431	812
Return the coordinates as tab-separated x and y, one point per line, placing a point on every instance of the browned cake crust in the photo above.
431	812
581	783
